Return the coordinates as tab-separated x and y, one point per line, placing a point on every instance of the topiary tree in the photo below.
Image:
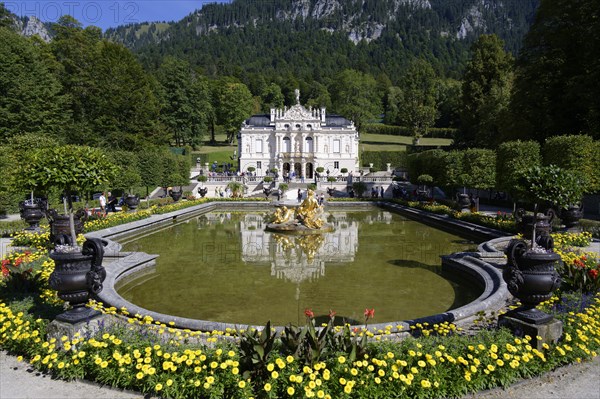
359	187
236	188
344	170
577	153
512	158
70	169
283	187
550	184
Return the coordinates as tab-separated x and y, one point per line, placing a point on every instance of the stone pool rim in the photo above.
482	268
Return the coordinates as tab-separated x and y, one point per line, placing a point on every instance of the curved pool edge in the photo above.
482	268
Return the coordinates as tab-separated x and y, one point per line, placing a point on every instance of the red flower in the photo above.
332	313
5	270
369	313
309	313
593	273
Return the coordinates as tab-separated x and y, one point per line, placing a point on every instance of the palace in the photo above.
296	141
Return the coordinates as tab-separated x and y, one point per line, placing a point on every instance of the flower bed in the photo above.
157	359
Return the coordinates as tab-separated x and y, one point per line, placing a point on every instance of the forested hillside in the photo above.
315	39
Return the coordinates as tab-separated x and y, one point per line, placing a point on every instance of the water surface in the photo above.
223	266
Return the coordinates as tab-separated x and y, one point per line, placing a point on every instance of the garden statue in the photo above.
305	219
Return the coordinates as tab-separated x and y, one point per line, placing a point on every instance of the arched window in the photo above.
298	126
308	147
287	144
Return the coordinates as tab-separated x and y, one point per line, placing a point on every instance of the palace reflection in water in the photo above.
224	266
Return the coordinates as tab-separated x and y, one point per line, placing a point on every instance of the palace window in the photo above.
259	146
309	145
336	165
258	165
287	144
336	146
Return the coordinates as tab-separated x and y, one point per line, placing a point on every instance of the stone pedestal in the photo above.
549	332
57	329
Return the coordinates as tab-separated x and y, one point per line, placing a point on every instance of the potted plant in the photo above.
78	272
126	180
531	274
176	179
236	188
424	180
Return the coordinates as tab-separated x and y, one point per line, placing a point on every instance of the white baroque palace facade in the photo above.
296	141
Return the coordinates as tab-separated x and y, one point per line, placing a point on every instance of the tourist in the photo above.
102	200
321	199
299	195
112	202
381	191
216	192
278	193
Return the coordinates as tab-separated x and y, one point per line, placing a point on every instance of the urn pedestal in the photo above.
464	202
78	277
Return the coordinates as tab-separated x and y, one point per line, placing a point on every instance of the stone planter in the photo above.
176	195
525	224
531	277
132	202
464	202
59	224
78	277
32	213
202	191
570	217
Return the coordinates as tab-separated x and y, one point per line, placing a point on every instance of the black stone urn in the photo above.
525	221
132	201
531	276
203	191
59	224
32	212
570	217
463	202
176	195
77	277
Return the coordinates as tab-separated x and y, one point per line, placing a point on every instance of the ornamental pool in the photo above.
223	266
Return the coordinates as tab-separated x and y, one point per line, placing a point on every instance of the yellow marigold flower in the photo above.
158	387
500	362
353	371
289	359
320	394
104	364
270	367
421	363
242	384
342	381
348	389
139	375
290	391
267	387
274	375
425	384
341	359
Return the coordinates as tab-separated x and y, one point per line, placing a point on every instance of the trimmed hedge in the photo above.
434	132
379	159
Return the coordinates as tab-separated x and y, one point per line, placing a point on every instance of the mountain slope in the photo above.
305	37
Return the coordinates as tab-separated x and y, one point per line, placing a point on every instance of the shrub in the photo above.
576	153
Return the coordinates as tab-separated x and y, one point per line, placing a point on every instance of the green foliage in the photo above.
234	105
550	184
485	92
267	179
512	158
557	72
127	175
68	168
186	100
425	179
380	159
311	186
413	103
236	188
360	188
30	94
356	97
283	187
479	165
380	128
255	350
579	154
320	169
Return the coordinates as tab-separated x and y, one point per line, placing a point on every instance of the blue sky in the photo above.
107	13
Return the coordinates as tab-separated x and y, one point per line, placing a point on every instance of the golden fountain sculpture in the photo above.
305	219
